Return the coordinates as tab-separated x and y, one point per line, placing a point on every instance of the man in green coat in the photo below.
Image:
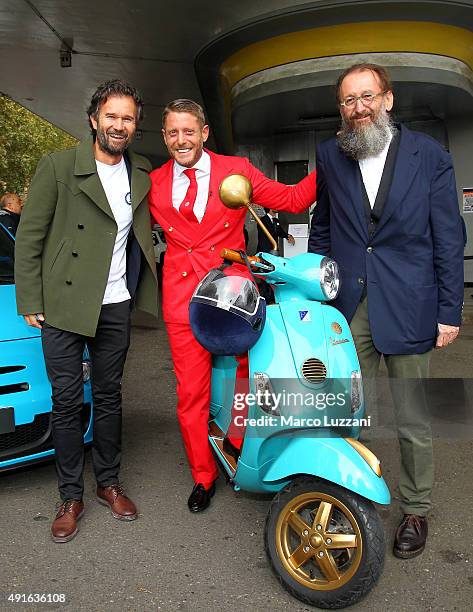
84	256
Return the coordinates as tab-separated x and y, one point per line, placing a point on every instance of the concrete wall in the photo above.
265	154
460	136
260	155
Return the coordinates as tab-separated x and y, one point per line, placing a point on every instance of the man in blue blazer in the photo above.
387	212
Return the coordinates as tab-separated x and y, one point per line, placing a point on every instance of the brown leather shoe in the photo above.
121	506
64	526
410	536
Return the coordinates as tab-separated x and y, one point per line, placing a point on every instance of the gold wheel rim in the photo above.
318	541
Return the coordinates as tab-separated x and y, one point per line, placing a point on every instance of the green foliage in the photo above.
24	139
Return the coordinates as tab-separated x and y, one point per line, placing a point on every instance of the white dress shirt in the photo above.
372	171
180	184
116	185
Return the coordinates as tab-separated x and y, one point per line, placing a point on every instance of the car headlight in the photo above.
329	278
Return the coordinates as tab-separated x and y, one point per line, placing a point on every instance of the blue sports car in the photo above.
25	392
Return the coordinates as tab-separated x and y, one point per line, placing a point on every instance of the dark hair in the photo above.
118	88
184	105
379	71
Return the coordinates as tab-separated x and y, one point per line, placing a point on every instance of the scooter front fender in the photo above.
332	459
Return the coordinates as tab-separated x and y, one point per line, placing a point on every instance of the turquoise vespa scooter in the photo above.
323	535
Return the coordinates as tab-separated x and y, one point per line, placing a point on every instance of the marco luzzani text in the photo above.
294	402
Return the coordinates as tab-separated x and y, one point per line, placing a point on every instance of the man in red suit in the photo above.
184	200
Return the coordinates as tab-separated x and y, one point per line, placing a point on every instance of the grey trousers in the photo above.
411	412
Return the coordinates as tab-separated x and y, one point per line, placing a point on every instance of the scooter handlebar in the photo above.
231	255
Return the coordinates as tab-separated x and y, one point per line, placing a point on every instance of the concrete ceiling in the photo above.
165	49
314	108
152	44
301	96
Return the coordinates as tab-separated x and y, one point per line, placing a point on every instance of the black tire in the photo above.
351	517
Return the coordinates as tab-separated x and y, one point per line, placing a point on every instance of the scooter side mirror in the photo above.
236	191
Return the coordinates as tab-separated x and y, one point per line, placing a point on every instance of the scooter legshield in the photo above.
332	459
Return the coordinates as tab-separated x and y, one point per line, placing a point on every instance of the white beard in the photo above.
368	140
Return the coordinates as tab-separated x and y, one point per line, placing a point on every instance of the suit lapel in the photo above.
166	209
406	167
214	209
140	182
352	187
86	167
92	187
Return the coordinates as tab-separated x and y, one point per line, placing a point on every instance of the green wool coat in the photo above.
66	236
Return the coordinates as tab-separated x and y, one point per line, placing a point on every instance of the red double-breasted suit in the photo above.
192	250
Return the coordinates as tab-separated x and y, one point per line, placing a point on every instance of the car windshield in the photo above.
6	257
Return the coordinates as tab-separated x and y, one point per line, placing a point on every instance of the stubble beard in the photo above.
360	142
110	148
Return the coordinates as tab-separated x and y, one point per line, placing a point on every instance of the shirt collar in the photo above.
203	165
110	166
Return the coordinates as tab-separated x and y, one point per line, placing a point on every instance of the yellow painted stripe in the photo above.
346	39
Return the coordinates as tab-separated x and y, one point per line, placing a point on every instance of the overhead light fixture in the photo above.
65	56
65	53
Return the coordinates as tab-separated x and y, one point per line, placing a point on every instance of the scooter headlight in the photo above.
329	278
356	391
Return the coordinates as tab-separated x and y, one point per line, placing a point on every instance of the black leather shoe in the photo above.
410	536
231	450
200	497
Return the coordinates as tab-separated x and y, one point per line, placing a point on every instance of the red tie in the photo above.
187	205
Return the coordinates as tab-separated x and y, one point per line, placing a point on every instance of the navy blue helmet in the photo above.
227	313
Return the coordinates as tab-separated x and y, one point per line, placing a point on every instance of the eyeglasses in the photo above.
366	99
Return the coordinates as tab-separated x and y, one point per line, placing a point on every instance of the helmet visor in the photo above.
235	293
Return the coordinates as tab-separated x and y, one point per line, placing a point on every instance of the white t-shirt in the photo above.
372	170
115	183
180	184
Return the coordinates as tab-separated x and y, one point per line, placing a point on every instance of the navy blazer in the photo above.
412	267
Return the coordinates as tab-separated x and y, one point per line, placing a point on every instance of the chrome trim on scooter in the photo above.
367	455
314	370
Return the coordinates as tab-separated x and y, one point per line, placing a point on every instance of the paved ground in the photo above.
170	560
